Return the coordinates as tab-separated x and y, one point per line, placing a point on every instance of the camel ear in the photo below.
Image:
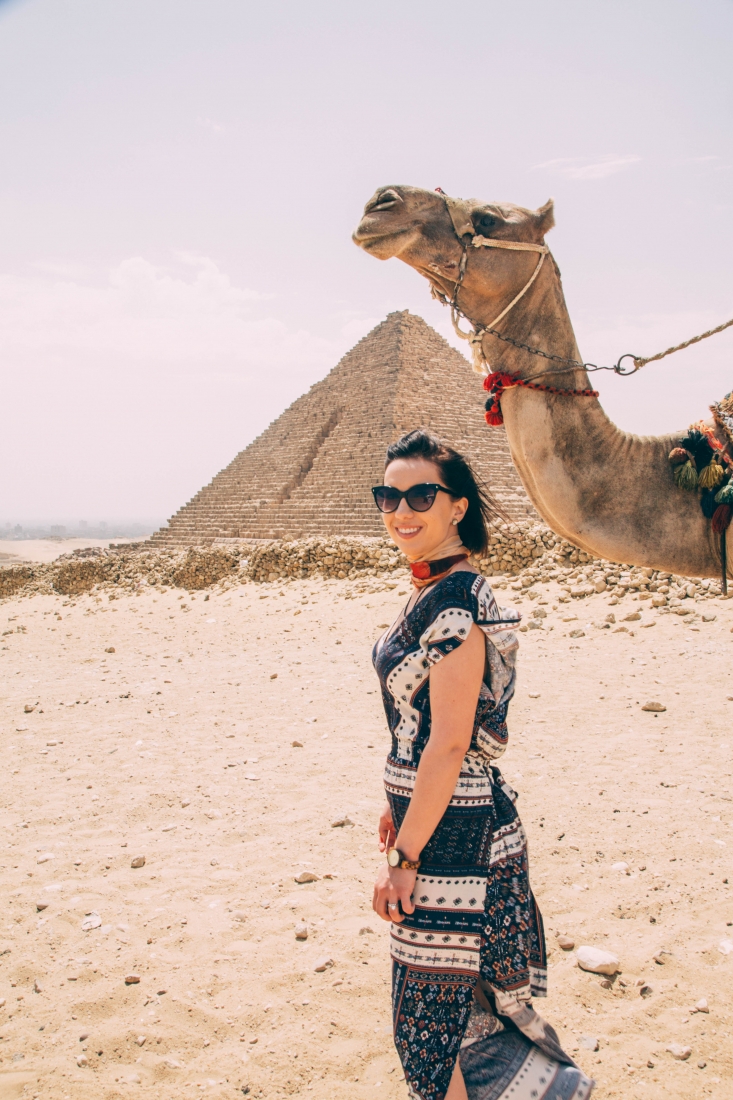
546	217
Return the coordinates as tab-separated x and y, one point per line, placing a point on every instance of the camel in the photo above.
610	493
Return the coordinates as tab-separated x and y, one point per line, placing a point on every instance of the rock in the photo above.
186	802
645	990
297	744
702	1005
679	1052
239	914
252	779
725	947
132	979
37	988
651	622
366	931
141	1040
632	617
565	943
301	931
110	649
273	676
611	618
41	905
621	866
683	611
340	822
577	634
45	857
654	707
708	618
306	876
589	1042
597	961
214	815
138	861
82	1060
659	601
600	586
28	709
84	1035
91	920
606	984
322	964
701	1064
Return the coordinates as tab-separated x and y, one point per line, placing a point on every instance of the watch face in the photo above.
393	857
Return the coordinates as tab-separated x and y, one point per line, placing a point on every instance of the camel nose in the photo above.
384	199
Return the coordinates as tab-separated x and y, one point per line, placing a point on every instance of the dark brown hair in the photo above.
458	476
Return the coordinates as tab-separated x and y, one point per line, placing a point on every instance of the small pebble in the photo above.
597	961
679	1052
45	857
132	979
301	931
565	943
82	1060
589	1042
41	905
141	1040
324	963
340	822
273	676
138	861
306	876
654	707
297	744
110	649
84	1035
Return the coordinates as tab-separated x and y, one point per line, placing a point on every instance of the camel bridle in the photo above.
463	227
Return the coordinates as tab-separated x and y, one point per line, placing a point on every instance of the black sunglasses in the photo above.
420	498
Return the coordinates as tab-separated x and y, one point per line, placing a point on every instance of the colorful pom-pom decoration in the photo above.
725	495
678	455
721	518
685	476
711	476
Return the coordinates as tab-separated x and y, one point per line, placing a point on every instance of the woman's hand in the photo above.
392	888
387	831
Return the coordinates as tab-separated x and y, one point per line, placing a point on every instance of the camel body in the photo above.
610	492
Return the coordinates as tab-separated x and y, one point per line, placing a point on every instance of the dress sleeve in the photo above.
451	625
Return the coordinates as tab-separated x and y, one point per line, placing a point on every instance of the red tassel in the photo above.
495	419
721	518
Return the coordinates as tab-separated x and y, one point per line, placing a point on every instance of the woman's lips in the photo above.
407	532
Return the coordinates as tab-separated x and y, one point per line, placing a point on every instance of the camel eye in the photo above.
485	224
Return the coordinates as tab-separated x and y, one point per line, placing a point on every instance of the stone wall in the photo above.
519	553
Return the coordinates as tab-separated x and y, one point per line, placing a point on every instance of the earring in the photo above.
455	522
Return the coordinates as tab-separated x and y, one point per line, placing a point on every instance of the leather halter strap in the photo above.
460	216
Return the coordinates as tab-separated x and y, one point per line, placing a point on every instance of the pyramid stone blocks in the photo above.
311	471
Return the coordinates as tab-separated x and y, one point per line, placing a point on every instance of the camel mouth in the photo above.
372	234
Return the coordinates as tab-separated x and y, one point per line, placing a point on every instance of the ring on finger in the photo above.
393	905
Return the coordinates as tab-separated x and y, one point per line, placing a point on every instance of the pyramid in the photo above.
311	471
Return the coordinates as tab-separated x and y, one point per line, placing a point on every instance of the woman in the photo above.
467	939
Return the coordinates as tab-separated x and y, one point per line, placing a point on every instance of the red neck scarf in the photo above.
428	572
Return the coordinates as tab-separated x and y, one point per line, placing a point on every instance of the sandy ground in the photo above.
14	551
178	746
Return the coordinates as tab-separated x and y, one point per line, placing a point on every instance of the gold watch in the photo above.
395	858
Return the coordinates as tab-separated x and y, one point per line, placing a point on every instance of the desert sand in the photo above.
164	725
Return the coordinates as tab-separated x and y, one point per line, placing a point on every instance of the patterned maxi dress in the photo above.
467	961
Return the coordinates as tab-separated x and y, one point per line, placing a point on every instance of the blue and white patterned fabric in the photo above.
467	961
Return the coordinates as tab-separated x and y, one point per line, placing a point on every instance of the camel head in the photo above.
429	231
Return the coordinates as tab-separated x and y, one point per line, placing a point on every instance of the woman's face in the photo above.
418	534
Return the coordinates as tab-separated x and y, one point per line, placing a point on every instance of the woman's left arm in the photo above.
455	683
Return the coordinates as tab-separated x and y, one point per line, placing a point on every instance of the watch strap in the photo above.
405	864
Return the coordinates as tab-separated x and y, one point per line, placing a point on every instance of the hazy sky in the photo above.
180	179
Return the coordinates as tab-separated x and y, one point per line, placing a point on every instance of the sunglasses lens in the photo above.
386	499
421	497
